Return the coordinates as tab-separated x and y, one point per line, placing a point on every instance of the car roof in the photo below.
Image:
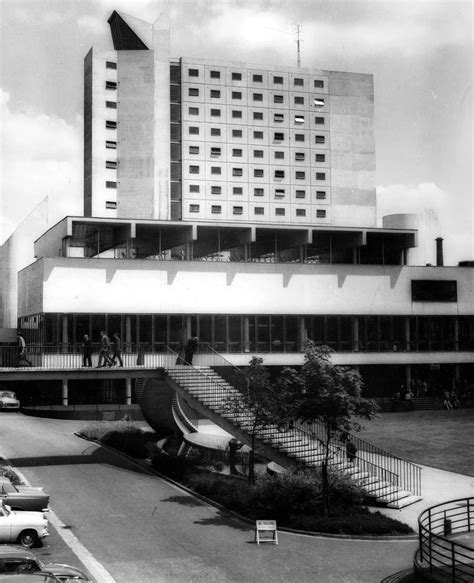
14	552
29	578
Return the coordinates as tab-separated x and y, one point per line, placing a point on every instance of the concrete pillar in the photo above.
128	391
65	395
407	377
128	333
456	334
355	334
246	334
457	373
64	335
407	333
302	333
188	329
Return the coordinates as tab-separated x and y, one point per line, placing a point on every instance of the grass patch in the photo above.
439	439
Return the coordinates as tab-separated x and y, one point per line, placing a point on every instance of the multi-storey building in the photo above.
237	202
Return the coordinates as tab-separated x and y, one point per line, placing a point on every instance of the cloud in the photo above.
92	25
41	156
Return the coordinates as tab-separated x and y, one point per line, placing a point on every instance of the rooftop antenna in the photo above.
298	50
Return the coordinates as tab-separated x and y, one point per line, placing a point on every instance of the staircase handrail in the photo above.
408	474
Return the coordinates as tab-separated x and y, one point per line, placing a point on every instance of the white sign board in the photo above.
264	528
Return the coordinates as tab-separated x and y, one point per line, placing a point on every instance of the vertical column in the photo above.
407	377
246	334
65	392
188	328
302	333
407	333
64	335
128	391
456	334
128	334
355	334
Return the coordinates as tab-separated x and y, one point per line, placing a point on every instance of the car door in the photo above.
5	524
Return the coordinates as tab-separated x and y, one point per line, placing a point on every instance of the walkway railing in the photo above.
375	460
442	528
68	357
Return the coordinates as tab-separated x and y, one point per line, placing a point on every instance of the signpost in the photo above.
265	528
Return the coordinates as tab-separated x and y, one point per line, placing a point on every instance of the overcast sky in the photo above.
420	54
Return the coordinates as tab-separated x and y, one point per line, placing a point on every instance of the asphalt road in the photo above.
143	529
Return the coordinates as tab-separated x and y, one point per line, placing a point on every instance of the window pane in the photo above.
235	333
220	333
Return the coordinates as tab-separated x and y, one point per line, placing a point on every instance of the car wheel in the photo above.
28	538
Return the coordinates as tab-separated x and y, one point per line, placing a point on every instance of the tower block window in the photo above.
110	65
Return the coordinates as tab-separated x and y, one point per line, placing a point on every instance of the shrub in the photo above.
9	473
172	466
122	435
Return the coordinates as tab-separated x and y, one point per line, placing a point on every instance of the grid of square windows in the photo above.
236	76
256	78
237	133
320	214
216	209
258	115
193	92
215	74
215	93
321	194
215	112
237	152
215	131
280	212
237	190
237	114
257	97
259	210
216	189
193	131
236	94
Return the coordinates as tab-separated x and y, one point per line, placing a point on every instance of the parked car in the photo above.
8	401
23	497
27	528
37	577
14	559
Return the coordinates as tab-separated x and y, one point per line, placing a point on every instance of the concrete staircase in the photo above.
210	394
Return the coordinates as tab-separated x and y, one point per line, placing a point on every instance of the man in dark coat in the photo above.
86	351
190	349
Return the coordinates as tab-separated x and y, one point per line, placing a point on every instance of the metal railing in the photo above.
71	357
379	463
441	553
408	474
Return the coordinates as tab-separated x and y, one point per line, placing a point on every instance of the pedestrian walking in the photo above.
104	349
21	356
351	451
190	349
86	351
117	349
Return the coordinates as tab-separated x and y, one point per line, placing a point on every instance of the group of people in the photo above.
109	351
451	400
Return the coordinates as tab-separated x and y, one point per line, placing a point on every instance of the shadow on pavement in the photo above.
223	519
407	576
91	455
185	500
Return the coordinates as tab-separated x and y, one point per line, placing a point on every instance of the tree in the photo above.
263	403
332	396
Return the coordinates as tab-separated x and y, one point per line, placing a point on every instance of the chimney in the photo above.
439	252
